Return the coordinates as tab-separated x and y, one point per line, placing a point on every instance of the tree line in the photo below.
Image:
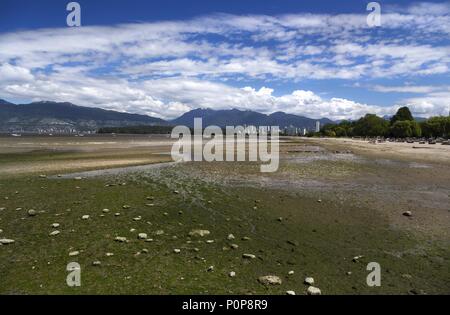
401	125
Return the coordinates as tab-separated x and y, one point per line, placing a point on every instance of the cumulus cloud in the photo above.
166	68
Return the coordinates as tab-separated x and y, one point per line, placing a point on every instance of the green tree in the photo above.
371	125
406	129
402	114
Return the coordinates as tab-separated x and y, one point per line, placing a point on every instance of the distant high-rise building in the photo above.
317	126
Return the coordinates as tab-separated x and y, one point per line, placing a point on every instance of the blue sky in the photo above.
162	58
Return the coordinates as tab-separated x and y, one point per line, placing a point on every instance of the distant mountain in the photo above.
53	117
235	117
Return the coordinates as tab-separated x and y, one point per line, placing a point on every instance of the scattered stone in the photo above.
232	274
149	204
74	253
313	291
159	232
348	273
290	292
96	263
6	241
248	256
177	250
176	192
230	237
356	258
270	280
55	225
117	214
246	238
78	178
120	239
32	212
137	218
144	250
210	241
210	268
142	236
291	272
280	219
85	217
407	213
319	201
200	233
109	254
125	207
309	281
43	176
105	210
150	198
54	233
149	240
234	246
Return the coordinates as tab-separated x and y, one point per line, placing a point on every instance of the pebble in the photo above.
74	253
32	212
109	254
159	232
272	280
96	263
309	281
407	213
230	237
356	258
290	292
117	214
234	246
177	250
85	217
105	210
54	233
200	233
248	256
55	225
120	239
210	268
142	236
313	291
232	274
6	241
125	207
291	272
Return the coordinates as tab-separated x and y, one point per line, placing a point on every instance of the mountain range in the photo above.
55	117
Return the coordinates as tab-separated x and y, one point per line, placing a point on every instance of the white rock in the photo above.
309	281
248	256
96	263
200	233
54	233
272	280
230	237
109	254
177	250
105	210
210	268
290	292
407	213
142	236
6	241
291	272
313	291
32	212
232	274
120	239
55	225
74	253
85	217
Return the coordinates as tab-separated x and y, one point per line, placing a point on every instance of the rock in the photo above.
137	218
78	178
210	241
290	292
176	192
280	219
177	250
32	212
144	250
74	253
248	256
117	214
142	236
120	239
407	213
42	176
159	232
96	263
270	280
230	237
85	217
348	273
232	274
125	207
109	254
313	291
6	241
149	240
291	272
210	268
319	201
246	238
54	233
105	210
1	231
149	204
234	246
356	258
200	233
309	281
55	225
